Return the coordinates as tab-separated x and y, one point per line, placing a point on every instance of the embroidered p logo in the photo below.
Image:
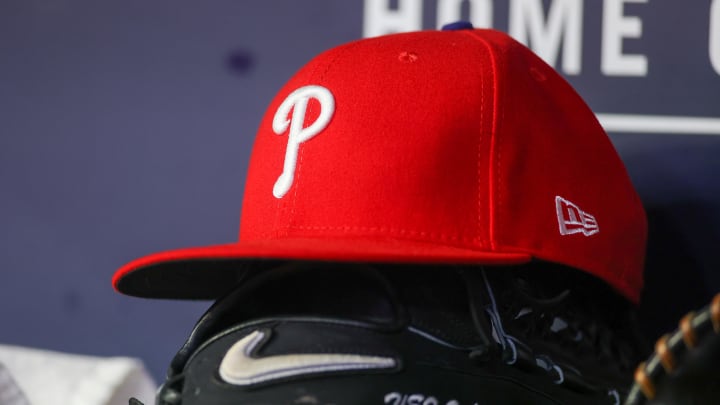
298	101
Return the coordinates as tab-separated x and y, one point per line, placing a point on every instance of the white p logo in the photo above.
298	101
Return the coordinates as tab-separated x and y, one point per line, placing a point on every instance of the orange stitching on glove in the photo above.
666	356
642	379
687	330
715	313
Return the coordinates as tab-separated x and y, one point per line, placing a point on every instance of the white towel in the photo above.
10	393
53	378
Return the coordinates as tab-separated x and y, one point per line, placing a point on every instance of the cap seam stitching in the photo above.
301	152
495	166
490	187
391	230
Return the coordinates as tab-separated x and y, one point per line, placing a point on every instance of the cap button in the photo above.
458	25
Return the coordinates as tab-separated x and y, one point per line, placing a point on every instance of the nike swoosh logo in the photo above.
239	368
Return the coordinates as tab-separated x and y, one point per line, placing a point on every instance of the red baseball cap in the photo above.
434	147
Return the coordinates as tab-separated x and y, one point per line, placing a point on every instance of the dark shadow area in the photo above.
678	277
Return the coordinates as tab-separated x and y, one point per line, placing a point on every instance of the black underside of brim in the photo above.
197	279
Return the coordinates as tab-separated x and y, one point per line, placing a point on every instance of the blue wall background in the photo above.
125	129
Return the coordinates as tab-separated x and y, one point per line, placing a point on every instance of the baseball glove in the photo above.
685	367
401	335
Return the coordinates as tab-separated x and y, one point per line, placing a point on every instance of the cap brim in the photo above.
208	272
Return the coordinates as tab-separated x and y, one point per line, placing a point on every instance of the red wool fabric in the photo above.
442	147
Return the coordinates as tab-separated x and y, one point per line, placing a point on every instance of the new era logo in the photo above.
574	220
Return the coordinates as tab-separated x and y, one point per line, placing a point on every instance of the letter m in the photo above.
564	22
